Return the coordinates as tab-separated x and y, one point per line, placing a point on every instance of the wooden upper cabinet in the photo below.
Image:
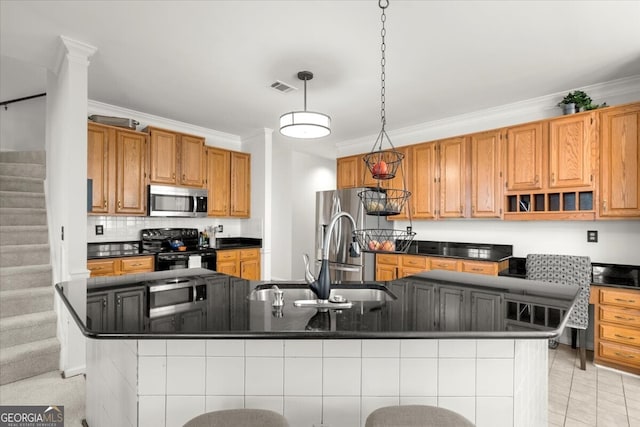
348	172
486	173
524	157
117	166
192	158
423	186
98	166
620	162
452	177
218	181
240	185
176	158
570	151
130	173
162	155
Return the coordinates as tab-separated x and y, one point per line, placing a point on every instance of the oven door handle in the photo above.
177	284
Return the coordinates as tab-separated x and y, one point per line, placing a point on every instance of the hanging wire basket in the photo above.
383	164
383	201
384	240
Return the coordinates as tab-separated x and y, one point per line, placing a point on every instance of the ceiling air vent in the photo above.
282	87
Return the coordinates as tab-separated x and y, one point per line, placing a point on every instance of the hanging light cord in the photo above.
305	93
383	32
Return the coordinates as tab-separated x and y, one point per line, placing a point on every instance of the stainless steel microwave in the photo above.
165	200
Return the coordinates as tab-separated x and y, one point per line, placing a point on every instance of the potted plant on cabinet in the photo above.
576	101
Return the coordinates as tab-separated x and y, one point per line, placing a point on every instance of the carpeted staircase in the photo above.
28	343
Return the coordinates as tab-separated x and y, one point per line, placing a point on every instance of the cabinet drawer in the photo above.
387	259
619	353
227	255
620	297
249	254
620	334
415	261
137	264
623	316
102	267
478	267
444	264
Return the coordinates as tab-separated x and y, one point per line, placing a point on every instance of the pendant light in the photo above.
305	124
383	164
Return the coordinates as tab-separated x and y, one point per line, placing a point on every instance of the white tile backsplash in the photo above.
465	406
457	348
418	377
494	377
341	376
185	375
456	377
264	348
271	403
303	348
494	412
303	411
186	347
225	348
303	376
370	404
381	348
380	376
152	375
418	348
181	409
151	411
225	376
342	348
264	376
218	403
342	411
152	347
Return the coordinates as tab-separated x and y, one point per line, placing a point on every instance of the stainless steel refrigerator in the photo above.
343	267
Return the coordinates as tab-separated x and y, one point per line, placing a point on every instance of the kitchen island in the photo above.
474	344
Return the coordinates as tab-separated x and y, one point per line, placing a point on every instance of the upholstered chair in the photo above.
567	270
237	418
416	416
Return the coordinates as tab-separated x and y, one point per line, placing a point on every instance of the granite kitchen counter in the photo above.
472	251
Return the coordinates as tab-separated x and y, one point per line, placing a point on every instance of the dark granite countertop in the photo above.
416	307
237	243
603	274
474	251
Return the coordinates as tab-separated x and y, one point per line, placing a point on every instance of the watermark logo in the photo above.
31	416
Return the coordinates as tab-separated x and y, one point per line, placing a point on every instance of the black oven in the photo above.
179	260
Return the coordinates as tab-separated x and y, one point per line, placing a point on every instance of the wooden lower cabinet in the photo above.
616	328
121	266
244	263
391	267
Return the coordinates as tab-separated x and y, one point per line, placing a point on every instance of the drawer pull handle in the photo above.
136	264
476	269
626	356
623	337
624	318
97	268
631	301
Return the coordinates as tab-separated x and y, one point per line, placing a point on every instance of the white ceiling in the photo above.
211	63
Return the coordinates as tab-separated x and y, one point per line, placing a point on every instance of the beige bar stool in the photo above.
416	416
238	418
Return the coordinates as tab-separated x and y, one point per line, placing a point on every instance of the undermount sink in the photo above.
339	297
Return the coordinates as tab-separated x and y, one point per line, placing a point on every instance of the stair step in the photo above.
17	183
26	301
17	330
30	170
23	216
25	277
20	199
28	360
15	255
24	235
38	157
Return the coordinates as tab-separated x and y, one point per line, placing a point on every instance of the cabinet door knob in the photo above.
553	178
104	302
604	205
119	204
105	203
119	300
184	177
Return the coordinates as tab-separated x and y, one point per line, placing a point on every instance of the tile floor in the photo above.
597	397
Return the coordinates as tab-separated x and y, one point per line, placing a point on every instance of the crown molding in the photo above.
73	50
226	139
626	89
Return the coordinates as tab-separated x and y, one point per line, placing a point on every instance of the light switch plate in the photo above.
592	236
99	230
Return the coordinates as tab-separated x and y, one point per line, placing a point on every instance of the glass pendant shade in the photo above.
305	124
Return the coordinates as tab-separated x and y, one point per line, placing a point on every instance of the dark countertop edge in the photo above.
121	255
240	246
470	258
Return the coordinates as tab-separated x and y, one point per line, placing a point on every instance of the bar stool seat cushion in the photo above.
416	416
237	418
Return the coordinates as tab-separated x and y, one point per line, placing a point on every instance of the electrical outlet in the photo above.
592	236
99	230
219	229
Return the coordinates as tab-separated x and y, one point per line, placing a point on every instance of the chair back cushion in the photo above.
566	270
237	418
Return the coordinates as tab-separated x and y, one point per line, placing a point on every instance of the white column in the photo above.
66	147
260	147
